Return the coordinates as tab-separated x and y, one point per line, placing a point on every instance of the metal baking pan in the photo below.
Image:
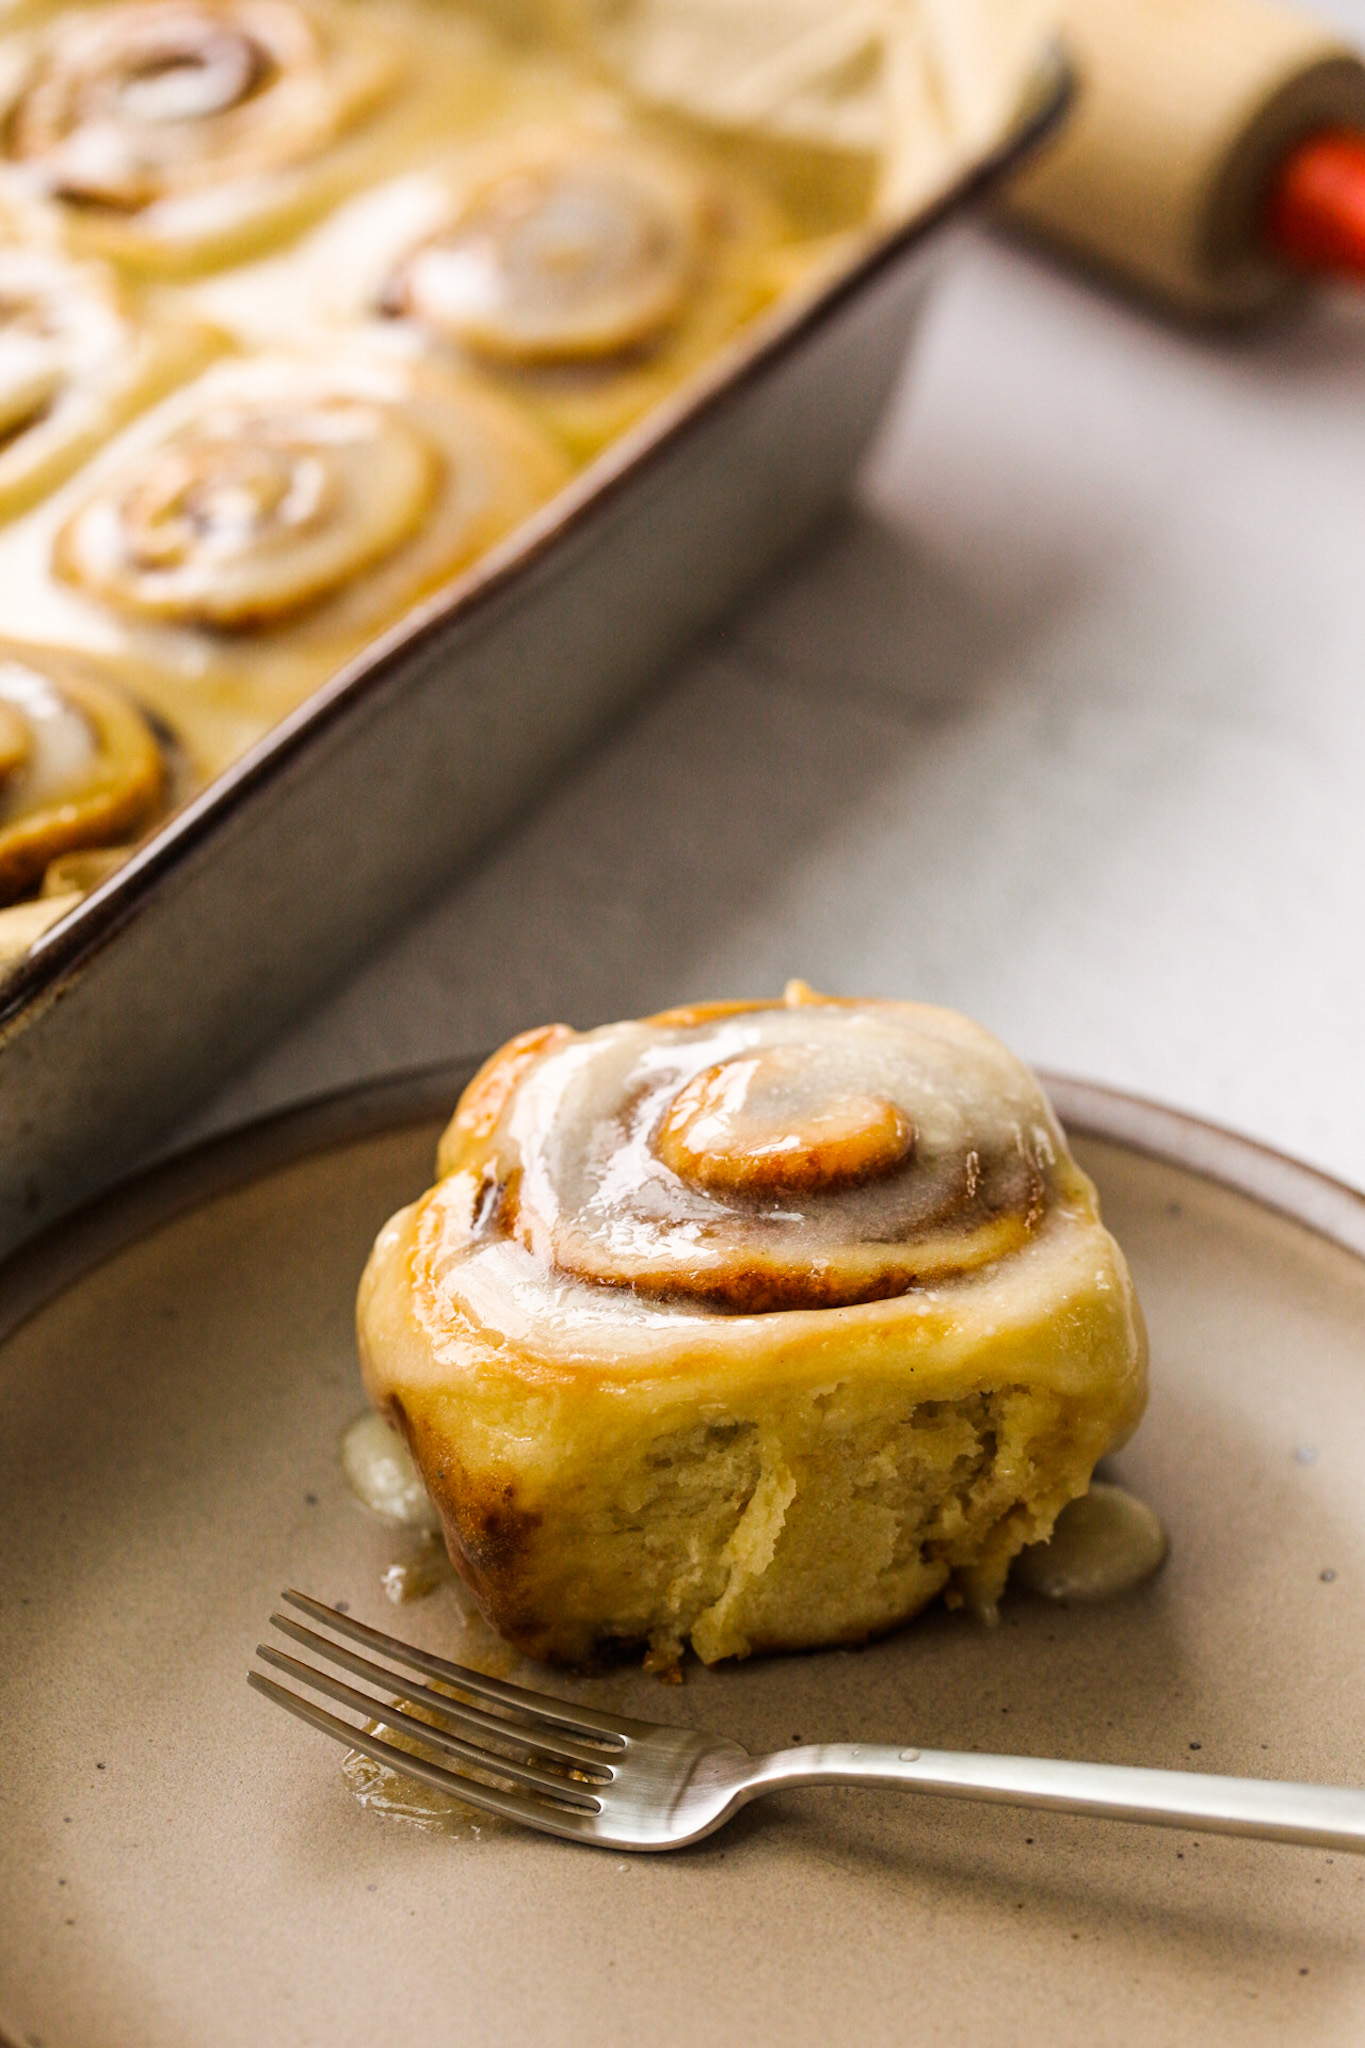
315	844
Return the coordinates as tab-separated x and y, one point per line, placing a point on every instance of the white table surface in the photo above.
1061	723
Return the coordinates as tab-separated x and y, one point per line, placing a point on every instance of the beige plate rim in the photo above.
75	1246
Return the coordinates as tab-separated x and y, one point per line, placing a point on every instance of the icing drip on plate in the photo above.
1102	1545
379	1470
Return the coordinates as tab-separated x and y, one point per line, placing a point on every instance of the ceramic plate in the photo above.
181	1863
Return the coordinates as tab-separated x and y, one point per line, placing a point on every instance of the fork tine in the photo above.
393	1716
532	1813
558	1748
613	1729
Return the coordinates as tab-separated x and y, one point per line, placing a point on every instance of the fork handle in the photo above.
1323	1816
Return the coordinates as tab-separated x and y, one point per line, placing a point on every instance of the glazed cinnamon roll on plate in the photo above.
237	545
753	1326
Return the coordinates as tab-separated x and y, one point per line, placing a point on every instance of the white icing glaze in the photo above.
62	746
419	1573
124	106
596	1199
80	768
61	334
458	1264
565	253
265	501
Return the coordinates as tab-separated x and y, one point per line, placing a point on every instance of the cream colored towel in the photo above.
917	84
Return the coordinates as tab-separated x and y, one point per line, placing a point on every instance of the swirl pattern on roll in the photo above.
75	361
253	511
805	1155
570	249
57	324
80	767
277	484
124	105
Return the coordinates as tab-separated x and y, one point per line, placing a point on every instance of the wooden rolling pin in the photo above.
1216	152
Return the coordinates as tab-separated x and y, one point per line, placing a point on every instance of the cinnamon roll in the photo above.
75	362
567	251
752	1326
585	267
175	134
242	541
260	505
80	772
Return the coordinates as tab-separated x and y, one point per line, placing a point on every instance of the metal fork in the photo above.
622	1784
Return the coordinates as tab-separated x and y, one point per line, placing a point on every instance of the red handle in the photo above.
1315	216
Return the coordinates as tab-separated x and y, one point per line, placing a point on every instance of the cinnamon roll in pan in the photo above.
176	135
584	266
80	767
236	545
77	359
570	250
752	1326
83	772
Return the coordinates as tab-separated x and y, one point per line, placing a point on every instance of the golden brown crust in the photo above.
686	1015
488	1094
490	1537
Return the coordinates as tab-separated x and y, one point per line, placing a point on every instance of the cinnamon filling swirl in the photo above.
276	485
76	357
794	1157
569	253
129	103
765	1122
79	768
252	512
